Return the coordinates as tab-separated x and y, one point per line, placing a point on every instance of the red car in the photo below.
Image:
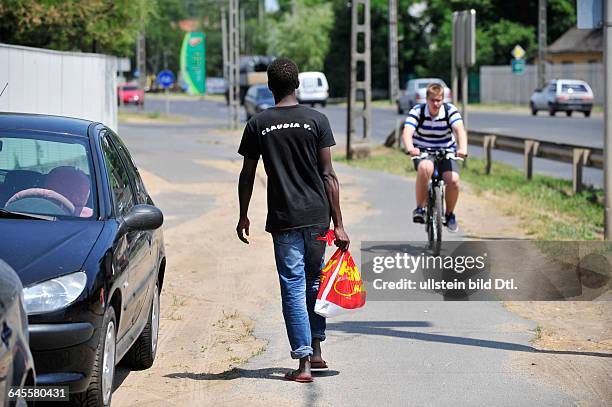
128	93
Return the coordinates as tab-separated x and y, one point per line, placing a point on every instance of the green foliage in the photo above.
102	26
163	35
303	36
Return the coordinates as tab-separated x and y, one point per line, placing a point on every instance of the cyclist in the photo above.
434	124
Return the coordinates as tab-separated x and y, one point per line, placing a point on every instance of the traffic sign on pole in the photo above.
165	79
518	66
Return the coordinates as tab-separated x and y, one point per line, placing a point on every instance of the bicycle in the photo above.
435	197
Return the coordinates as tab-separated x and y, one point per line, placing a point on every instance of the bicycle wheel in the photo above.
438	213
429	227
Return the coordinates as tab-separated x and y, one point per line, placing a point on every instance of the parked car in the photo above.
566	95
216	86
415	93
130	93
16	363
258	98
313	88
86	242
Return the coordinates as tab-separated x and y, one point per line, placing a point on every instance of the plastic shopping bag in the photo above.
341	289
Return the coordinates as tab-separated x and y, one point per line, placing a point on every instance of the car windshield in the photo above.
46	175
264	93
423	85
130	88
573	88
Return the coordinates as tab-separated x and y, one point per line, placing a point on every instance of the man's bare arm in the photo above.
332	189
245	190
407	139
462	140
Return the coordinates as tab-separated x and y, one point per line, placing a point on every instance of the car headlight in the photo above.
54	294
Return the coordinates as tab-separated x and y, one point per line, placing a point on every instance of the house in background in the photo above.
577	47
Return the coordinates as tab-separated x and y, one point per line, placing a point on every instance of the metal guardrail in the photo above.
578	156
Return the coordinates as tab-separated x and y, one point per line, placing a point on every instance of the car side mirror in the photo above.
143	217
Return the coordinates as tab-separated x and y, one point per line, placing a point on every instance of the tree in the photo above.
303	36
69	26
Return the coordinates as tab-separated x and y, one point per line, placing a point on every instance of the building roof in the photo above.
578	41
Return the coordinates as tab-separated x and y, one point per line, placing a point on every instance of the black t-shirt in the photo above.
289	139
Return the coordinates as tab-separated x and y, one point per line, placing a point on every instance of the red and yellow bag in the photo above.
341	288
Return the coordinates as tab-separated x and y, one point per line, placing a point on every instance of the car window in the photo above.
46	175
118	177
573	88
552	87
141	192
130	88
264	93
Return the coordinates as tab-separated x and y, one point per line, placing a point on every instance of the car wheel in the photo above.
312	104
534	111
399	108
142	353
587	113
552	112
324	103
568	113
100	390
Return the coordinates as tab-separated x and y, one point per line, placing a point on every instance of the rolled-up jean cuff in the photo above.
301	352
320	337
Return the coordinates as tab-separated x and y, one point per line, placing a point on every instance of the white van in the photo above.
313	88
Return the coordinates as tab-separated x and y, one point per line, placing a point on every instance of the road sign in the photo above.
165	79
518	52
518	66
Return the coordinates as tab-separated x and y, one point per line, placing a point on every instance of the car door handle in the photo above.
7	332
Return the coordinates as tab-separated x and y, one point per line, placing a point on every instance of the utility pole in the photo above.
542	43
234	64
393	53
242	31
360	79
261	11
224	41
141	58
454	81
607	32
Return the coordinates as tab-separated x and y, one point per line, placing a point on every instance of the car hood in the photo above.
39	250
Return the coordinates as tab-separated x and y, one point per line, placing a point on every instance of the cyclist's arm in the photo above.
409	130
462	140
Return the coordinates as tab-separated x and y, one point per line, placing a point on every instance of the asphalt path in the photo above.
390	353
587	132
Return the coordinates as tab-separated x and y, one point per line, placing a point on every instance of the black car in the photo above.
16	363
82	233
257	99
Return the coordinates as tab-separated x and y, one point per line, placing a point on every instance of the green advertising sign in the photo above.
193	62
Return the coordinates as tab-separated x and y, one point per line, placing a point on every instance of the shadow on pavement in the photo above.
385	328
272	373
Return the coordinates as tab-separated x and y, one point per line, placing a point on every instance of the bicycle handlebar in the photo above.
447	154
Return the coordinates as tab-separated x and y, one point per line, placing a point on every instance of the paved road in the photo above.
587	132
390	353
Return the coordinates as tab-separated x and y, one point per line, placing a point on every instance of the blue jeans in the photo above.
299	260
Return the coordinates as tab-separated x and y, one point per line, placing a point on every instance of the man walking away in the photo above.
303	192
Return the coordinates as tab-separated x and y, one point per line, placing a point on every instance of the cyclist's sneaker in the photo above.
451	222
418	215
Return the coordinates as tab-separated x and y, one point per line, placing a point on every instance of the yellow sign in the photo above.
518	52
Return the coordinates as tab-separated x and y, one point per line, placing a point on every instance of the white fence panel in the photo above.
59	83
499	85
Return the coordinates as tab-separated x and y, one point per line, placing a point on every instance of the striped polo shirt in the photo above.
435	132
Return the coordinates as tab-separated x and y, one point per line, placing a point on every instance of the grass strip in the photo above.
545	205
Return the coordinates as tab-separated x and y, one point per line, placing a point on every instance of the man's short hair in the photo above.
282	77
434	89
